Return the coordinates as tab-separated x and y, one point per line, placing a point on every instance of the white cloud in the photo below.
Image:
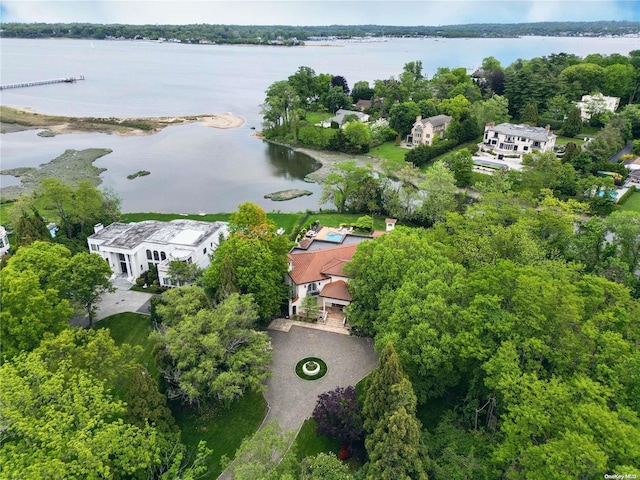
316	12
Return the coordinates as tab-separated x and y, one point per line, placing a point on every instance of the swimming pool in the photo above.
333	237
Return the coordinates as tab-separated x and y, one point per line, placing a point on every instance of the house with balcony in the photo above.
425	130
511	140
133	248
320	273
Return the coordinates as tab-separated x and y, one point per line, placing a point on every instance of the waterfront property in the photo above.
133	248
507	139
425	130
316	268
341	114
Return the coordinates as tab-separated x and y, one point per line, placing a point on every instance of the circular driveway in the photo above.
292	399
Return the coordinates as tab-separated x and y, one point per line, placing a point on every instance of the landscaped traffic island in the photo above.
311	368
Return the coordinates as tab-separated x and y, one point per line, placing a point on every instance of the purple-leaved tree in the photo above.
339	416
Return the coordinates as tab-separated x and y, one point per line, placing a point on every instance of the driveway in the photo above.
292	399
120	301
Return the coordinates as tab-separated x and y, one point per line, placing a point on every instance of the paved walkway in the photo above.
292	399
120	301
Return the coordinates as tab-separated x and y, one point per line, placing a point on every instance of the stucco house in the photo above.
339	117
320	273
509	139
131	248
425	130
595	104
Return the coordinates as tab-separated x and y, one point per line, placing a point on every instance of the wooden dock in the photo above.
42	82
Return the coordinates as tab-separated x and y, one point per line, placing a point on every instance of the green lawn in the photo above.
284	220
316	117
223	429
309	443
632	204
389	151
565	140
335	219
134	329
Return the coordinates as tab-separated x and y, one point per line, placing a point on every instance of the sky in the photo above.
316	12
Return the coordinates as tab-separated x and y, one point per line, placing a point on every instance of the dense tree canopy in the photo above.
60	416
214	353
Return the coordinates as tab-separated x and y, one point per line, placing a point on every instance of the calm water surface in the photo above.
195	168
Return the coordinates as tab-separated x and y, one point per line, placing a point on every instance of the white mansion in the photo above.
131	248
517	140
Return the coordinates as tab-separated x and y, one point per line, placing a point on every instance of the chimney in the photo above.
490	125
391	223
418	118
97	227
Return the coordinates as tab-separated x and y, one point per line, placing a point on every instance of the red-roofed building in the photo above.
320	273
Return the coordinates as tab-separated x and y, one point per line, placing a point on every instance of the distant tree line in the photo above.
256	34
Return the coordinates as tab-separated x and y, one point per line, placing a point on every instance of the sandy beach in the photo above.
19	118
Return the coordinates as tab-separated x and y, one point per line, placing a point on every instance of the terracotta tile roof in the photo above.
319	264
338	290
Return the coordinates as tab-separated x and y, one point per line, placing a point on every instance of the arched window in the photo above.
156	256
163	256
148	254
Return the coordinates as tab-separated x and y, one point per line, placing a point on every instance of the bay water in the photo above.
195	168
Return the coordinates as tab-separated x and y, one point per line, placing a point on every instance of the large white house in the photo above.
595	104
131	248
425	130
509	139
4	241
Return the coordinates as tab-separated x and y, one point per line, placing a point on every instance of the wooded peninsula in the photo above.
297	35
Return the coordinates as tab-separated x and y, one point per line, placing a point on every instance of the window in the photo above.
156	257
165	281
536	144
189	260
150	265
204	250
163	256
525	148
94	248
121	257
148	254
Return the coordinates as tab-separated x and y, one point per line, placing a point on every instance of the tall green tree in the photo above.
402	116
439	187
85	281
215	354
28	311
27	221
394	440
461	165
249	266
530	115
343	184
60	417
378	401
573	123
